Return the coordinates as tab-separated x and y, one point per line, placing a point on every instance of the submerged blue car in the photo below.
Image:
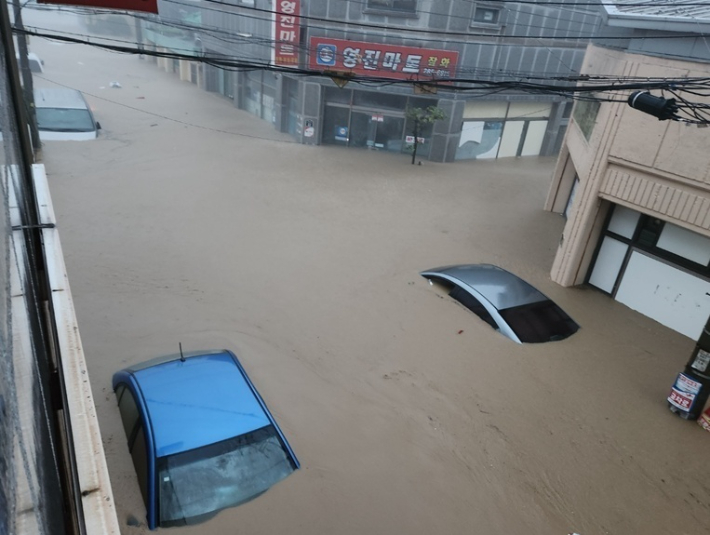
200	436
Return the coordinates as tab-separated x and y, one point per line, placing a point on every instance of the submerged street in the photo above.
190	221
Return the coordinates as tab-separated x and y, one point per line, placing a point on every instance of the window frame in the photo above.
129	427
585	114
380	6
484	6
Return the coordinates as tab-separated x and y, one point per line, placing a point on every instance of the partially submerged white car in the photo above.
64	115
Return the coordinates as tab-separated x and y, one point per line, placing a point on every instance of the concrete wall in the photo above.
631	158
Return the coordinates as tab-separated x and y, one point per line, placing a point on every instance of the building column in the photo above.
281	104
447	132
552	131
311	98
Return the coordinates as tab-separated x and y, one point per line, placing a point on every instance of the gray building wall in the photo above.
527	39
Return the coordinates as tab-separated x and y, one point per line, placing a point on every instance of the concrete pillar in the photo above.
281	104
447	132
311	99
553	129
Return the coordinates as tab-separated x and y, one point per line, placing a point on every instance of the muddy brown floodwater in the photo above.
191	221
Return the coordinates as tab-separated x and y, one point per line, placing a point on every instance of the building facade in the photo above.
635	190
407	40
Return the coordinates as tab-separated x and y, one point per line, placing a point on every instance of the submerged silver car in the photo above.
506	302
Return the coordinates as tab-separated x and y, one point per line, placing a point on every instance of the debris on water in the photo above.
460	331
115	84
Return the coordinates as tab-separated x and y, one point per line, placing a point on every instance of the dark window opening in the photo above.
406	6
649	230
473	304
539	322
129	412
486	15
139	453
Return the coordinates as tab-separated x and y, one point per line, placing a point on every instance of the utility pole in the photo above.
27	83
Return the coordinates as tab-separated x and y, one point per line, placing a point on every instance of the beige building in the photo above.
636	195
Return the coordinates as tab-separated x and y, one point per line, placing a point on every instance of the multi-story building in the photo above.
405	40
635	190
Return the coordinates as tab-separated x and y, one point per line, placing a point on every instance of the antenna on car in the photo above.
182	357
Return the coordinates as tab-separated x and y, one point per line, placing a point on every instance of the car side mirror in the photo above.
98	125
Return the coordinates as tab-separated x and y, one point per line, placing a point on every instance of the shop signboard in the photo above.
410	140
684	392
381	60
309	130
287	33
341	133
148	6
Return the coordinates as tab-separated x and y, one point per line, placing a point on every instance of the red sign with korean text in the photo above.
683	392
287	32
148	6
682	400
381	61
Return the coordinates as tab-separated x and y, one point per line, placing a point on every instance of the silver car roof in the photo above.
500	287
59	98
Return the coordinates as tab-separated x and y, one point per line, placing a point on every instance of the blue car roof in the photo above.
199	401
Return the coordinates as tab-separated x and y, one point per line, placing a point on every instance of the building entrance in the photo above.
364	128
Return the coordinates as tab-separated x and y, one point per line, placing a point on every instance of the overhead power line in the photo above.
591	83
675	35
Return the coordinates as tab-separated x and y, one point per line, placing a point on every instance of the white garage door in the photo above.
667	294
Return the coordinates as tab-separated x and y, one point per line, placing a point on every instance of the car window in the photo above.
64	120
198	483
473	304
35	66
139	453
129	411
539	322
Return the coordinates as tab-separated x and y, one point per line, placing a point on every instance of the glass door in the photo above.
361	133
389	133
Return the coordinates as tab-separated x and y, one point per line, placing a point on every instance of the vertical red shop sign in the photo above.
287	32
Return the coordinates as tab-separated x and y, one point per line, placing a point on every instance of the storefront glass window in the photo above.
389	133
415	102
270	79
293	107
252	101
361	134
337	95
372	99
425	133
268	98
479	140
336	127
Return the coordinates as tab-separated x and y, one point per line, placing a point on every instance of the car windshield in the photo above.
196	484
538	322
64	120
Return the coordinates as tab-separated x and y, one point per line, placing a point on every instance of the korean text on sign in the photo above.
287	32
381	60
